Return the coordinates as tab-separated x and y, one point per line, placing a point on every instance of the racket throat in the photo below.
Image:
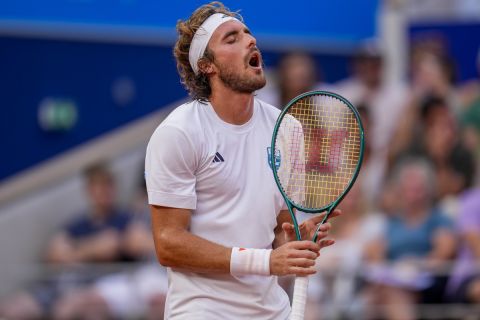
325	218
296	227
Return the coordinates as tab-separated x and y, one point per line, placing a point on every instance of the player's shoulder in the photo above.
182	124
186	118
182	116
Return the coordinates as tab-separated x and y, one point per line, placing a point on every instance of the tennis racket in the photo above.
317	151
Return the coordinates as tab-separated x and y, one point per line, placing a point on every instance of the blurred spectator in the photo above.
96	237
373	166
296	73
439	141
333	291
432	77
464	285
136	293
454	164
416	243
470	117
366	86
383	104
99	235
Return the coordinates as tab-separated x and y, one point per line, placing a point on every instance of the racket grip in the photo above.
299	298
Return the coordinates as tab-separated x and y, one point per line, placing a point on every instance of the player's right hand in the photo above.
294	258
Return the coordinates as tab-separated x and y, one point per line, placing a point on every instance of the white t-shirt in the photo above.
221	172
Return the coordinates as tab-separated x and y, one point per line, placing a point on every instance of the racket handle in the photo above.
299	298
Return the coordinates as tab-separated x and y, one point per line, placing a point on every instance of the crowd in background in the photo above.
103	262
410	236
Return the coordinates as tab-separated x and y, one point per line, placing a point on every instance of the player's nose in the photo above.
251	41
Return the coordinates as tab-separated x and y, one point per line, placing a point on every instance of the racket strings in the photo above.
319	140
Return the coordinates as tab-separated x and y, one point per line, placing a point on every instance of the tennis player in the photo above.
219	221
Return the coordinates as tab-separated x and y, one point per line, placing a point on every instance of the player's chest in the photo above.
233	162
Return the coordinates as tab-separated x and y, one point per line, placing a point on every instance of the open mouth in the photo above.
254	60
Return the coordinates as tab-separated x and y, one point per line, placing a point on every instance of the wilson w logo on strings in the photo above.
324	152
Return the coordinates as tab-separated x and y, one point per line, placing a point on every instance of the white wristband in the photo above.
250	261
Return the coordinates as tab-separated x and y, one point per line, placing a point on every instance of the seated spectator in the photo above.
416	244
439	141
98	235
95	237
464	284
132	294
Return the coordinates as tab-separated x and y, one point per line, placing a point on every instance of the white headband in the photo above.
203	35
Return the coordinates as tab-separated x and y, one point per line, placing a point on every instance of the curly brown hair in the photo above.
197	85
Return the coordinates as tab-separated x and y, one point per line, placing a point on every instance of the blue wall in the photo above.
84	72
337	21
35	66
33	69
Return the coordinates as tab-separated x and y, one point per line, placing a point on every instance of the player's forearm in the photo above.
180	249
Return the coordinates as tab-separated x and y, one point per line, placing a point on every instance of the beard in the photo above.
242	83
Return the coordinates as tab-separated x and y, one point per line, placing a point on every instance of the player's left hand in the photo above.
308	227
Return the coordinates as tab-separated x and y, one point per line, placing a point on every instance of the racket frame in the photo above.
331	206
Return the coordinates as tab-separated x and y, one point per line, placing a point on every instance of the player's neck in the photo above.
232	107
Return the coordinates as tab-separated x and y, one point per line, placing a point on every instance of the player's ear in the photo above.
205	66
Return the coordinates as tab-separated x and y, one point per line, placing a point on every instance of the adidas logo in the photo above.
218	158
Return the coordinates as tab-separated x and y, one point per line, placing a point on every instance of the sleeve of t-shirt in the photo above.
170	169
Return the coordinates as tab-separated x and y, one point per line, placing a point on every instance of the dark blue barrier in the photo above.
87	75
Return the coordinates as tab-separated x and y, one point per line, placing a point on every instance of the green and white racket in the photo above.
317	148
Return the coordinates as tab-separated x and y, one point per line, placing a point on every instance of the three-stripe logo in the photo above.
218	158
